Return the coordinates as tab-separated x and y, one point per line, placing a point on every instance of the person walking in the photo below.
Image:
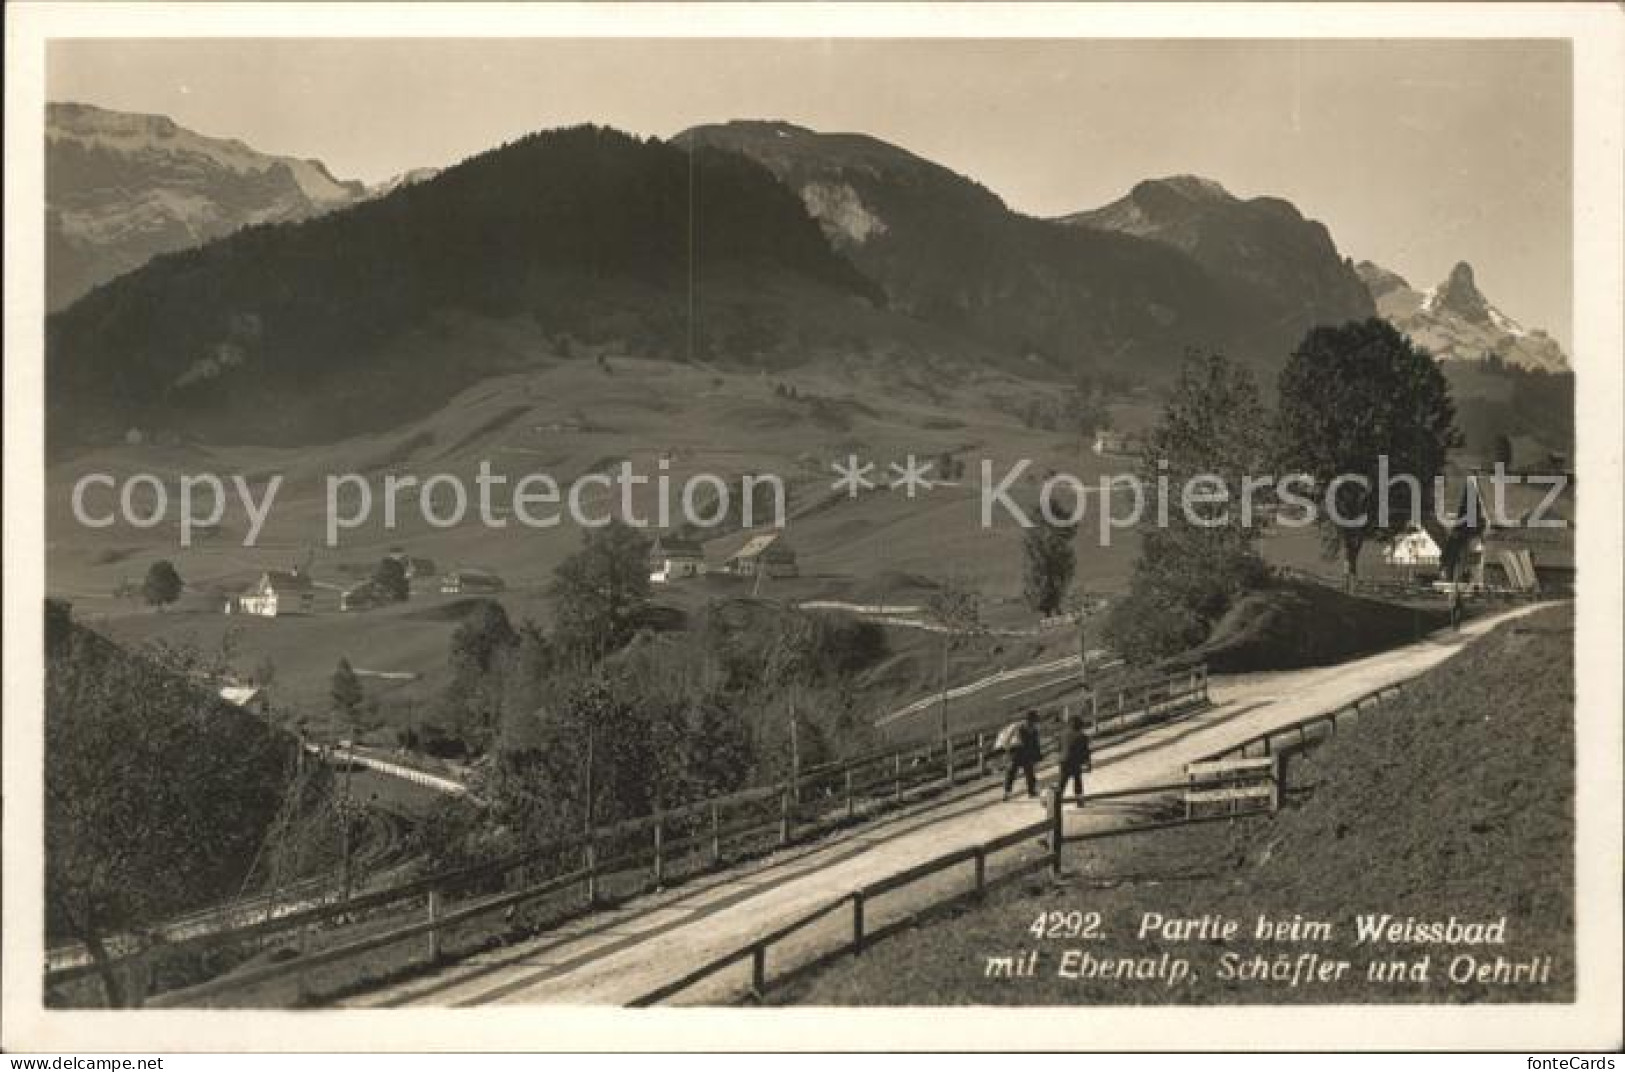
1024	753
1075	758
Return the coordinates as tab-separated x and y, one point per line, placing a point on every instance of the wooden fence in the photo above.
1208	782
1296	736
573	875
983	877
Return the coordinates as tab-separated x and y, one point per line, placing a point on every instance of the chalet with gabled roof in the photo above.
768	554
672	558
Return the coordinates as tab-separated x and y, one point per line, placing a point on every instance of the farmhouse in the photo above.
246	697
1116	444
1519	543
673	557
470	581
417	569
1417	546
277	592
767	554
364	596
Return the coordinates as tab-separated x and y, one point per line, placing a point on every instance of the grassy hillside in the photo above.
1295	624
1457	801
565	419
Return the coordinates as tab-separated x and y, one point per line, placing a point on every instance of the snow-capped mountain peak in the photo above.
1457	322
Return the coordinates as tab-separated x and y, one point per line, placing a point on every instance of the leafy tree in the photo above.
1050	559
162	585
602	591
471	705
157	794
478	644
1350	395
1198	559
346	691
389	578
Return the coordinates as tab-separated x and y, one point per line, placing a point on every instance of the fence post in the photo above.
981	755
851	802
434	932
590	863
1275	783
948	760
716	835
1055	825
660	859
758	970
784	816
897	769
857	922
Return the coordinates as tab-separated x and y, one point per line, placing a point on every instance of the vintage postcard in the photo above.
612	527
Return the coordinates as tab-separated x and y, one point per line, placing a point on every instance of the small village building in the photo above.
470	582
277	592
1523	543
364	596
1415	547
1116	444
673	558
765	555
416	567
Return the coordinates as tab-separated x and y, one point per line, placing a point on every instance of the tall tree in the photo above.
1350	396
162	585
389	577
157	793
1199	557
1050	560
346	691
602	591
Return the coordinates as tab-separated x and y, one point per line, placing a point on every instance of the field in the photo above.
567	419
1458	802
571	418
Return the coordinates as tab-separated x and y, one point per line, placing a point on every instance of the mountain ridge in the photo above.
124	187
1456	322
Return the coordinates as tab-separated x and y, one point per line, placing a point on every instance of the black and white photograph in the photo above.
536	527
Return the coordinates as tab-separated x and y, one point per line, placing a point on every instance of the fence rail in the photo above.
1295	736
1051	829
650	850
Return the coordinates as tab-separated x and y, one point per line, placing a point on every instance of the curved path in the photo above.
616	955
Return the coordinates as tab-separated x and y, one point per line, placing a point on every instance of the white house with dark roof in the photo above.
277	592
674	557
469	581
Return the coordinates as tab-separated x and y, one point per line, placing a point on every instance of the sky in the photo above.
1416	154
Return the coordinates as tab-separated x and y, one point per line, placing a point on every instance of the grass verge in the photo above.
1455	802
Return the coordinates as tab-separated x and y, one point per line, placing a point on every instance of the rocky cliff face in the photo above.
1457	322
121	189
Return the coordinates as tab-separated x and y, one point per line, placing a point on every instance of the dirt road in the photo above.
617	955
